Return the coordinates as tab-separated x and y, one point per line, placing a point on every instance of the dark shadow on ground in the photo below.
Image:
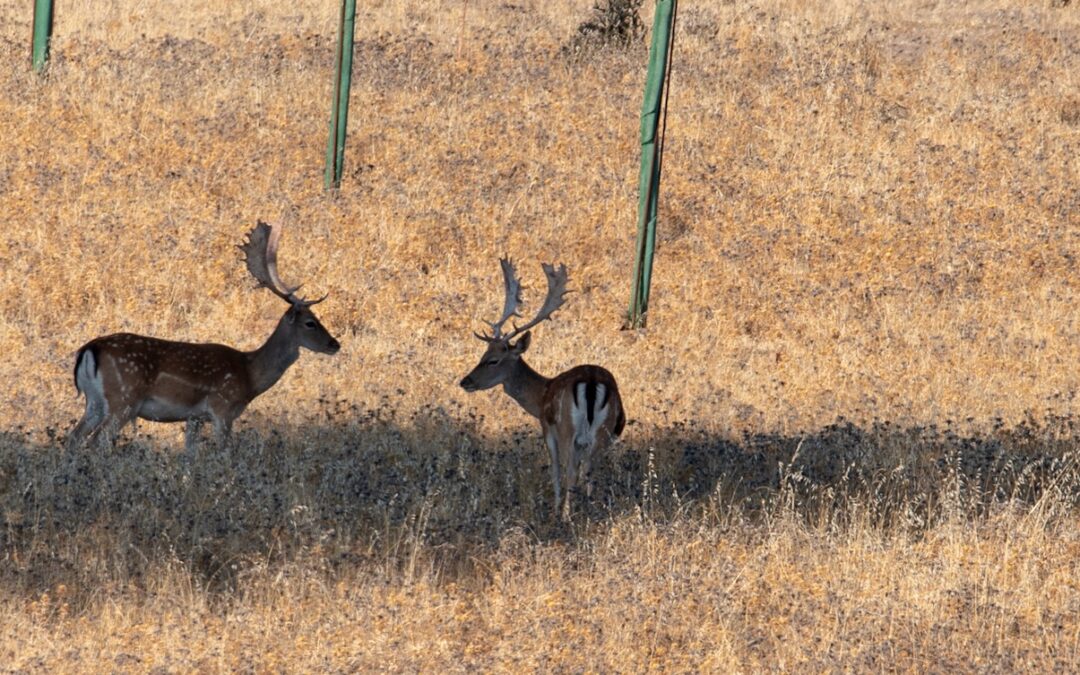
362	487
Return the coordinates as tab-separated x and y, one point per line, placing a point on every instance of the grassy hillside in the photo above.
853	437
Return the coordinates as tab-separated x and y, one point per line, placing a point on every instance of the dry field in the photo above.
854	437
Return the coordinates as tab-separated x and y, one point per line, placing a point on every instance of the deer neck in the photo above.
268	363
526	386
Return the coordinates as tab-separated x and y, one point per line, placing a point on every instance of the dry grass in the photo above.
870	213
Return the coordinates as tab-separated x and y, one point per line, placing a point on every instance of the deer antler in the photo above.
512	287
260	255
556	280
556	296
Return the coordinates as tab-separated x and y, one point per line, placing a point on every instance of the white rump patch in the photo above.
585	433
89	381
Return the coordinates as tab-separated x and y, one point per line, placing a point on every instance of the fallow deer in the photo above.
580	411
125	376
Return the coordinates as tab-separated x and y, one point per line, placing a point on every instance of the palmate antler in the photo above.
260	255
556	280
512	287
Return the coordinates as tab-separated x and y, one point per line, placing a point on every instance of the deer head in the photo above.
503	353
260	255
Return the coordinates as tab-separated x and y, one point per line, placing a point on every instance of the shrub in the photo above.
613	23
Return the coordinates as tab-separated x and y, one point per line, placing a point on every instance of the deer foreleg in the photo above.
222	430
191	435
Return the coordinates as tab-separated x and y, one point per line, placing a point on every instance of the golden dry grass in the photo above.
870	212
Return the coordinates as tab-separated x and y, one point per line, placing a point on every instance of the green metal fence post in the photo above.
43	25
654	103
339	115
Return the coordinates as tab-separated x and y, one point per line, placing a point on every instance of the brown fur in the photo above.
575	462
168	381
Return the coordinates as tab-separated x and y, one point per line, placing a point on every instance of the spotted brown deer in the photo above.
580	411
125	376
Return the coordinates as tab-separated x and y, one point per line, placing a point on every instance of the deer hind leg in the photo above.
589	410
598	444
570	477
583	453
89	381
103	435
553	447
568	495
122	399
116	419
90	422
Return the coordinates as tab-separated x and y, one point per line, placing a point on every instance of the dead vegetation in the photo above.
870	213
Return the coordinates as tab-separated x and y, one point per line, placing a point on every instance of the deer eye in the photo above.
491	362
309	324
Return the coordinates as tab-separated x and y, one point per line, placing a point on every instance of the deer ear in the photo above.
522	344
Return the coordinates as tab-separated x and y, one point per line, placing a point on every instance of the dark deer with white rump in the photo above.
125	376
580	411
